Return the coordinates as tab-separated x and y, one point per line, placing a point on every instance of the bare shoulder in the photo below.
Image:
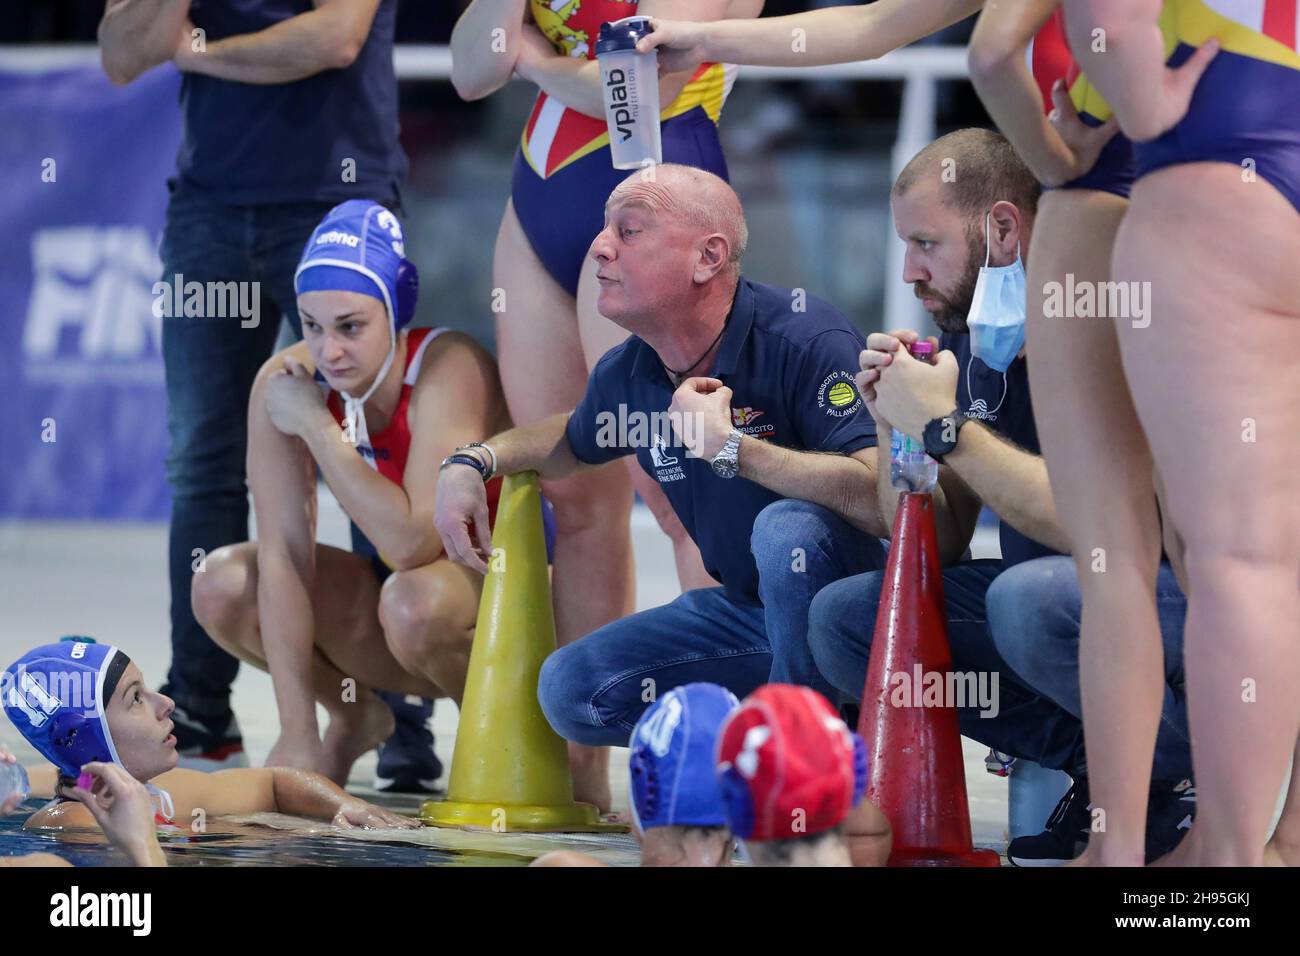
68	814
456	361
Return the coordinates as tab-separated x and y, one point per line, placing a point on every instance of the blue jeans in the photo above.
1024	723
594	690
210	365
1034	611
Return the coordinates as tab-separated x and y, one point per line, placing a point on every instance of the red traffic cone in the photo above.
917	776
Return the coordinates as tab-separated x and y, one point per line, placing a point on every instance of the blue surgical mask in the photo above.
997	310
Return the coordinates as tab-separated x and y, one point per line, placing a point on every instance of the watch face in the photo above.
933	436
726	467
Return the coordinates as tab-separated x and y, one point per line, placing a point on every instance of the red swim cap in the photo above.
788	765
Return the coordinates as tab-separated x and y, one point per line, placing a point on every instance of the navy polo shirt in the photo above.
1001	401
326	138
789	359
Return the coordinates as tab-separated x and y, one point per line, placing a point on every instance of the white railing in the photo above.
919	67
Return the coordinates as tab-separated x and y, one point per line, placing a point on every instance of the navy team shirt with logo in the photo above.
1001	401
789	360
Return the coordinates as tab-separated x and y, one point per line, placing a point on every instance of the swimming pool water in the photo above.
277	840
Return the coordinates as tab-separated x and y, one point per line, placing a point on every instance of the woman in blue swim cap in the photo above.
376	406
78	702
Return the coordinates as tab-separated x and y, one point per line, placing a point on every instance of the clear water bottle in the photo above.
910	468
13	779
630	82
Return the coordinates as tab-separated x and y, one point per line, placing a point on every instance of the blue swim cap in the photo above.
55	696
671	764
358	247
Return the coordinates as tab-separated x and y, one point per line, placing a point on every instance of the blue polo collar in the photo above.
740	320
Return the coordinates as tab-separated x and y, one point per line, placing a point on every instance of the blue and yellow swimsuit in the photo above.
1050	59
1246	107
563	173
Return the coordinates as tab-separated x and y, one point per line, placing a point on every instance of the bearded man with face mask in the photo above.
965	207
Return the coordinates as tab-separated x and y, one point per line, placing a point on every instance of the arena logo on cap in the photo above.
337	237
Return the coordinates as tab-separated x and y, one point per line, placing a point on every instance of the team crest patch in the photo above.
744	416
841	394
837	396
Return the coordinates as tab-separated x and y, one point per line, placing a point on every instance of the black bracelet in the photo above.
471	460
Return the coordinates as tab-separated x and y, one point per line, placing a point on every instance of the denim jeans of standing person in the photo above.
1034	610
594	690
210	362
1020	721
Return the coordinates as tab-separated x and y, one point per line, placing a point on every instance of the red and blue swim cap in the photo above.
788	765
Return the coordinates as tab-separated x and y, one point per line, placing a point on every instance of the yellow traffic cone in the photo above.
510	770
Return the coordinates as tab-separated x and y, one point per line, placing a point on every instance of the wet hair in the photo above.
705	833
698	834
112	676
784	852
975	169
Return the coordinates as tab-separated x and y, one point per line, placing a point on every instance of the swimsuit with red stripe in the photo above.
563	172
1050	60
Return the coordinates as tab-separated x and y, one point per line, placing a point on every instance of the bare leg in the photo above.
351	655
1284	848
593	577
1214	380
599	335
428	616
1102	484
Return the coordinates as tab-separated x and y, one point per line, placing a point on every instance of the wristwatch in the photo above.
726	463
940	435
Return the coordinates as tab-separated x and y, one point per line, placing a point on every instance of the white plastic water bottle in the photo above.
910	468
13	779
630	87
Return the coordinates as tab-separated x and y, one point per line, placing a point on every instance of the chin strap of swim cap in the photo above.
362	238
163	804
354	409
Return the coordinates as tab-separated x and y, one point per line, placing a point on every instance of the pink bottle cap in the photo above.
922	348
86	781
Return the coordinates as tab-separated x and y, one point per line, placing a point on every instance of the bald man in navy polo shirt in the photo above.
734	396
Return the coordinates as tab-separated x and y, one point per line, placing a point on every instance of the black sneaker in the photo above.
208	743
1066	834
1171	808
1170	811
407	763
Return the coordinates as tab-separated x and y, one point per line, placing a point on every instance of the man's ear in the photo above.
713	257
1005	233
